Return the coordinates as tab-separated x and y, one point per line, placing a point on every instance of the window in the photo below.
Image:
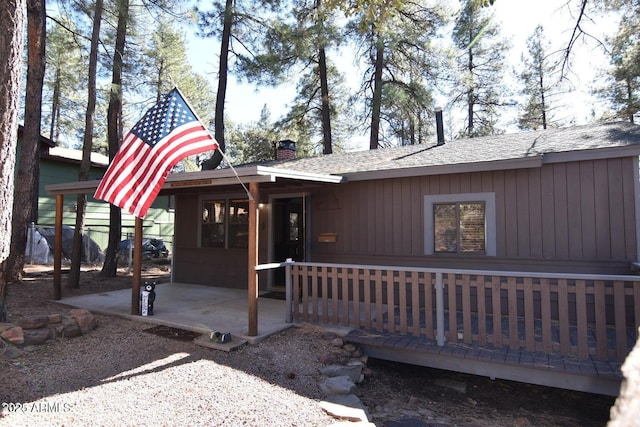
213	223
225	223
460	224
458	227
238	223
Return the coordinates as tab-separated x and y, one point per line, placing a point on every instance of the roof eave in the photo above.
520	163
209	178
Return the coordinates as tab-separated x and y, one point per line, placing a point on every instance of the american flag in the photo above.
166	134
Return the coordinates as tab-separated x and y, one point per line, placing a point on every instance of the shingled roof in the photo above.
526	148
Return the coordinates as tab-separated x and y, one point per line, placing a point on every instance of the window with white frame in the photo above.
460	224
224	223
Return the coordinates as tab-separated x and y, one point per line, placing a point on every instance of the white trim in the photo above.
489	200
636	198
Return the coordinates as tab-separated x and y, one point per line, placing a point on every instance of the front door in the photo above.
288	233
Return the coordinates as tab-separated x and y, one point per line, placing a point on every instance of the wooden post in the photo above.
253	259
57	249
137	267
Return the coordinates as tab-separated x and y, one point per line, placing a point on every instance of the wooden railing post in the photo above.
288	291
439	309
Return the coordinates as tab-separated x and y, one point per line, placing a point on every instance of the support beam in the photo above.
253	259
57	249
137	267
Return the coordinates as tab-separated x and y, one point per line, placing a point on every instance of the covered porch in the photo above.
240	306
196	308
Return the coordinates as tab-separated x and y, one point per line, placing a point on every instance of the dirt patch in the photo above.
172	333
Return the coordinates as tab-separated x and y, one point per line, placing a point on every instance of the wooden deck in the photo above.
561	330
539	368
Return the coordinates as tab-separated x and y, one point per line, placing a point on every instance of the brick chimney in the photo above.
286	150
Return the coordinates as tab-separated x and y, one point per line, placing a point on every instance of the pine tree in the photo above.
541	83
395	42
623	91
62	106
480	61
12	14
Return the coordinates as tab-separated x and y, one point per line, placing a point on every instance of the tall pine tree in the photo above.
480	89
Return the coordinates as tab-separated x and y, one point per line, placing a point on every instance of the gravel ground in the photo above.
120	375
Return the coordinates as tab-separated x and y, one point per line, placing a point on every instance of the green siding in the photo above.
158	222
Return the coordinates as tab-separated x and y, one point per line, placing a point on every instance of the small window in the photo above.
213	220
225	223
238	223
460	224
459	227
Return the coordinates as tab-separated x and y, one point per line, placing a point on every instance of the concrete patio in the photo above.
194	308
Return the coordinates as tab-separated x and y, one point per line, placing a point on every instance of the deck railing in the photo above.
582	316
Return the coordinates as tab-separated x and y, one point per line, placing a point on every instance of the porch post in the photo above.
254	190
439	310
137	267
57	249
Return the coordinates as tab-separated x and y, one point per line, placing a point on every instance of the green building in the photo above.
61	165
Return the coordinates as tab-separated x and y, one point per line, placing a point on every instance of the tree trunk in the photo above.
470	98
12	17
326	105
28	164
376	102
114	136
85	164
223	72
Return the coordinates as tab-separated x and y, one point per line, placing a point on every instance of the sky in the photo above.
517	18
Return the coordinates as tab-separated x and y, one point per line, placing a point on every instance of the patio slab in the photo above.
193	307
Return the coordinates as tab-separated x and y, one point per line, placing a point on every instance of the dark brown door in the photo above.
288	232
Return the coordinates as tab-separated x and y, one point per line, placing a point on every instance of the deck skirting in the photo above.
514	365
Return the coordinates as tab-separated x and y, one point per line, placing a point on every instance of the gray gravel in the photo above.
119	375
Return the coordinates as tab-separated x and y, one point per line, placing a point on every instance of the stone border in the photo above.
38	329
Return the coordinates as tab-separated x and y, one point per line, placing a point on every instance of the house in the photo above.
59	165
563	200
493	256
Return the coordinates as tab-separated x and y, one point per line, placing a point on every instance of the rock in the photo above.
15	335
11	352
337	385
343	412
37	336
349	347
55	318
626	411
328	359
70	328
337	342
350	400
357	353
34	322
367	372
86	321
5	326
458	386
352	370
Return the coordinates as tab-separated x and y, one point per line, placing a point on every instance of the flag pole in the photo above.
224	156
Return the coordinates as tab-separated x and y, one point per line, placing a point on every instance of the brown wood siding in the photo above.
565	215
203	266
